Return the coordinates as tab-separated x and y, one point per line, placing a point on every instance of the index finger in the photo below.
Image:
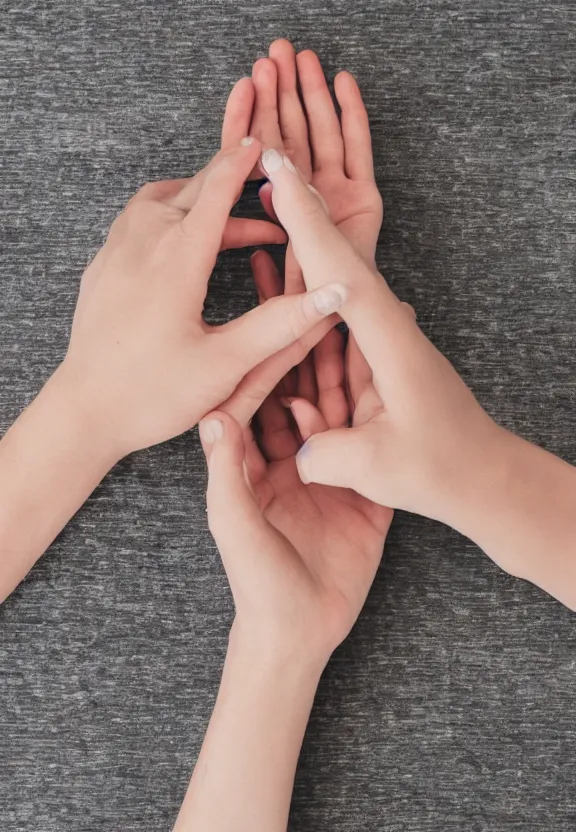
238	113
372	311
223	180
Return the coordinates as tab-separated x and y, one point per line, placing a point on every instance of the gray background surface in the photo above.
451	707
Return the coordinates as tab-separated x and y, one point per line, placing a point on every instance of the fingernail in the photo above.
289	166
271	161
330	298
302	458
211	431
247	141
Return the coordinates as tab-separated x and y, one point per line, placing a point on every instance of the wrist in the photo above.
51	460
491	503
478	471
68	400
277	652
524	516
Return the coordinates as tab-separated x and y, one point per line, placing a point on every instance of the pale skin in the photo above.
309	522
427	446
300	561
419	441
300	558
142	366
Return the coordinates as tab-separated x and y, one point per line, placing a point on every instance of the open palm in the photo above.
323	545
333	153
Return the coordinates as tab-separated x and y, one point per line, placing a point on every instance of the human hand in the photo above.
141	360
333	154
300	558
430	444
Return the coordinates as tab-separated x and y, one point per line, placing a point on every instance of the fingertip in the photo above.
221	434
303	461
244	149
341	81
306	55
263	67
244	82
308	417
265	195
273	163
347	91
247	151
345	77
211	429
281	45
310	68
330	298
260	259
257	65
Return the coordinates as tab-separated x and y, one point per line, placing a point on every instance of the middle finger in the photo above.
291	116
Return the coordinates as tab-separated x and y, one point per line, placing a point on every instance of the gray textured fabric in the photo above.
451	707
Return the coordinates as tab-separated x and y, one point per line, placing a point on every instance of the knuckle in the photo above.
118	225
135	217
135	212
295	318
144	194
291	145
148	190
409	309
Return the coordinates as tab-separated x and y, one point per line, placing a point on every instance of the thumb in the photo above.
279	322
320	249
372	312
245	540
232	509
344	457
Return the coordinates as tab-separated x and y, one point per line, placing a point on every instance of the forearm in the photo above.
522	513
51	459
244	776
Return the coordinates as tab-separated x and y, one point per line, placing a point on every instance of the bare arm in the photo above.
522	512
244	776
51	460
